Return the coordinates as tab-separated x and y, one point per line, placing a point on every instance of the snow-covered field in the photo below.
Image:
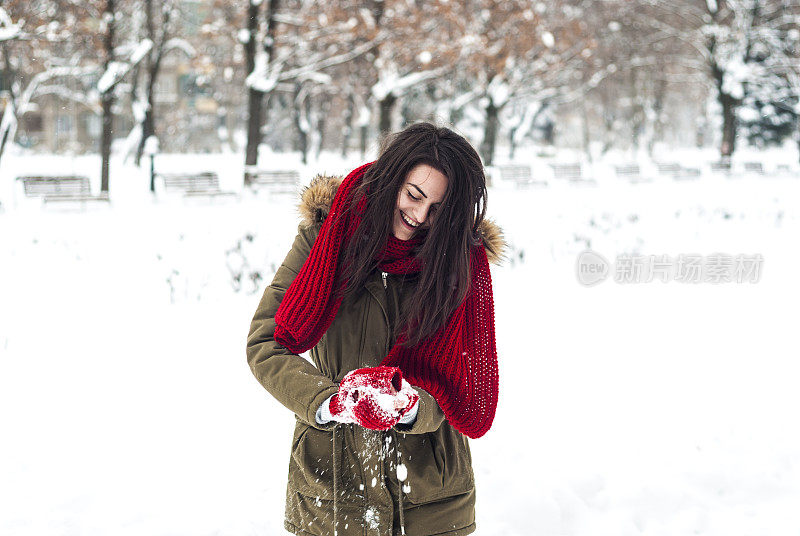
127	407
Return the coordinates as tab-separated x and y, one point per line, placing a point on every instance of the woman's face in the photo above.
418	200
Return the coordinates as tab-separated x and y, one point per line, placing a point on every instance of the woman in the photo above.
388	285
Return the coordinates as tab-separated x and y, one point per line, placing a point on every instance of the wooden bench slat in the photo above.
81	198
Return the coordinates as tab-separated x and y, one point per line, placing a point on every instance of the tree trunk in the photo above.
512	133
300	116
148	128
347	131
363	140
256	105
729	105
10	107
153	67
586	136
522	127
490	133
148	125
385	122
657	130
728	124
608	113
798	146
107	99
254	112
637	118
255	98
324	110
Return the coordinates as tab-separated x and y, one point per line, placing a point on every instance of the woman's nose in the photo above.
420	214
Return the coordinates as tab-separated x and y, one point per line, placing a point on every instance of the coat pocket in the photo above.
439	465
312	460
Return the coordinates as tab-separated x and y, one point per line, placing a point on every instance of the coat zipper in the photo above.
384	275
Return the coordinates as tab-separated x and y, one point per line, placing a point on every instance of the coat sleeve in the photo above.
292	380
429	417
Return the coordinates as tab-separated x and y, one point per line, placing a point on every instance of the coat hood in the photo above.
316	200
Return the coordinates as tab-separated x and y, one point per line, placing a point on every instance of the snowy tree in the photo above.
525	54
769	112
9	30
159	26
43	54
59	58
259	55
638	66
113	71
727	35
297	45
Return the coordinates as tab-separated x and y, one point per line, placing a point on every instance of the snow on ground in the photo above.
127	408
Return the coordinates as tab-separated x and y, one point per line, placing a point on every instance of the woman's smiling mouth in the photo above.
408	221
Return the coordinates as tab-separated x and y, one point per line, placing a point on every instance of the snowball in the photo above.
402	472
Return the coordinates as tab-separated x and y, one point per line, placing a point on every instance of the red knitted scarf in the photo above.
457	364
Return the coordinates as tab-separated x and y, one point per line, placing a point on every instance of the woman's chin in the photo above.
402	236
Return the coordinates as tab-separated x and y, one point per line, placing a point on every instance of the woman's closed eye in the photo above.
412	196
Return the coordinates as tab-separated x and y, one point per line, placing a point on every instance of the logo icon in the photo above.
591	268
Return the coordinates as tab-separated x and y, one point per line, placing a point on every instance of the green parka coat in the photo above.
344	471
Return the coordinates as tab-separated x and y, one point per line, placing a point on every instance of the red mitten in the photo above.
387	380
371	394
370	414
339	411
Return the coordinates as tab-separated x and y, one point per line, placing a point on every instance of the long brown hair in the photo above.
444	280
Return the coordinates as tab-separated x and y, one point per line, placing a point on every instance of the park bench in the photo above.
756	168
520	175
631	172
670	169
721	166
59	188
203	184
276	181
676	171
571	172
687	173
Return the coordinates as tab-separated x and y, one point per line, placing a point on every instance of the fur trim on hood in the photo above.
316	200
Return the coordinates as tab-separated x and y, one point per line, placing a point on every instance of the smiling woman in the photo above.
388	286
420	196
